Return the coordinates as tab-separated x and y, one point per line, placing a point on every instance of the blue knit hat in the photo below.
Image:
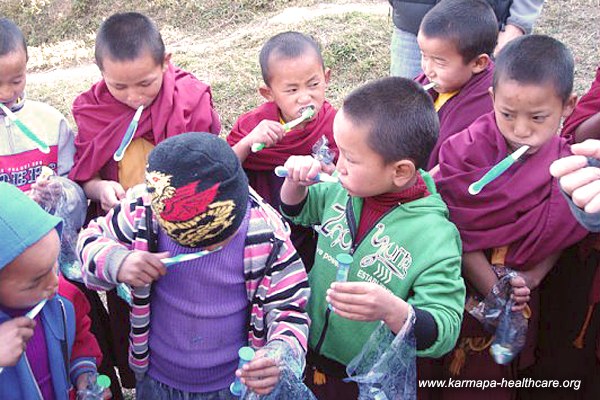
22	223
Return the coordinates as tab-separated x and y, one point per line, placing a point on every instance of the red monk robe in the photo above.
184	104
259	166
471	102
587	106
523	209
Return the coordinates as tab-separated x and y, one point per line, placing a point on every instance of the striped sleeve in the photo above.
280	292
106	241
286	299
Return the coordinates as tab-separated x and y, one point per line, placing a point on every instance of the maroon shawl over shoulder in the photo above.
522	208
295	142
587	106
184	104
460	111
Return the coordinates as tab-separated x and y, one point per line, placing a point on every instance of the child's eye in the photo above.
145	84
315	84
290	90
539	118
506	115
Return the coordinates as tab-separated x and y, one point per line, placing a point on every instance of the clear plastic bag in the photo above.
321	151
386	367
511	331
65	199
290	386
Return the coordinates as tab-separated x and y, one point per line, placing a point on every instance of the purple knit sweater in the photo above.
199	317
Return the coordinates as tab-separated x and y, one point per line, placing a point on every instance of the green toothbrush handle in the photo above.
256	147
492	174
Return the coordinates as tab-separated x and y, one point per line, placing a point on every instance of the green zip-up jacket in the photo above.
413	250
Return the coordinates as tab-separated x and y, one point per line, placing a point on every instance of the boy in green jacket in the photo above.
386	213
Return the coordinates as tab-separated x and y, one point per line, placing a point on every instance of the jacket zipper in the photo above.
11	140
351	220
39	392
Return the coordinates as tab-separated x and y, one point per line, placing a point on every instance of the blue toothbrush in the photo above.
118	156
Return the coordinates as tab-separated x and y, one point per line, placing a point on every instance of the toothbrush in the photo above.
118	156
36	310
186	257
308	113
40	144
497	170
430	85
282	172
32	314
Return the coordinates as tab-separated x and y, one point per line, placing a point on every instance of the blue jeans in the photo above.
405	55
151	389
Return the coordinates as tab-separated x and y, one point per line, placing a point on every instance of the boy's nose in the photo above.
304	98
521	130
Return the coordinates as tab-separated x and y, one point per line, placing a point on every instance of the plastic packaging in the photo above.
386	367
510	335
65	199
321	152
97	385
496	315
290	386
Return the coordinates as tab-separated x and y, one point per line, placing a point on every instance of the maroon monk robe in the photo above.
523	207
299	141
471	102
587	106
184	104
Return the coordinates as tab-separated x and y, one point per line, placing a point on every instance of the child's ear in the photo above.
569	105
491	92
327	75
166	61
266	92
404	171
480	63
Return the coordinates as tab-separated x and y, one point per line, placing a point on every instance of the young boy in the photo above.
457	38
387	214
520	220
136	71
46	356
249	289
20	160
584	123
295	78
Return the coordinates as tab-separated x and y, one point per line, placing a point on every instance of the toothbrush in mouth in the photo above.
307	114
282	172
497	170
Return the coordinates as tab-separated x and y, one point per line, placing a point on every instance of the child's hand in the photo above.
14	335
520	292
267	132
302	169
366	301
141	268
46	192
260	375
111	193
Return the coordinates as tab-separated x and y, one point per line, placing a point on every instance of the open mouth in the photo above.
301	111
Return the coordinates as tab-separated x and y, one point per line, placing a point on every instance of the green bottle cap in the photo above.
103	381
246	353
